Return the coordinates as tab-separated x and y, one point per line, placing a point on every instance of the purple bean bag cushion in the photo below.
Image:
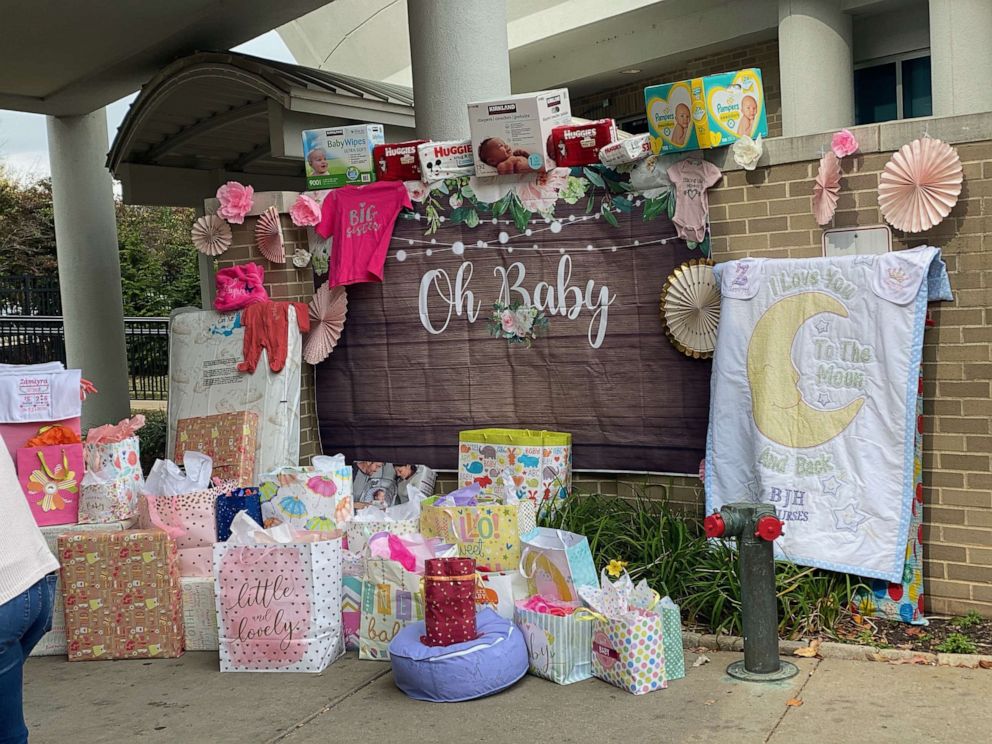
462	671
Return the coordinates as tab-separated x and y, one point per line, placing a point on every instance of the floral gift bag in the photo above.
50	477
310	498
535	464
104	501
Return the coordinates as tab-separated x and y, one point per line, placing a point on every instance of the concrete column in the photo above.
458	53
817	68
89	263
960	56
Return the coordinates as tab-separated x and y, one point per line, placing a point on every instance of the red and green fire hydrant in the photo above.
756	527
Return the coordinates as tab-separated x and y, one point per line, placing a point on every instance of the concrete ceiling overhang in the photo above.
215	116
65	58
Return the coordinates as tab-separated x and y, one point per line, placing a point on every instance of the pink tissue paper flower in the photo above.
235	201
305	211
844	143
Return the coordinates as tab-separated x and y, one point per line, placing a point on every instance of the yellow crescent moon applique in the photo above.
780	412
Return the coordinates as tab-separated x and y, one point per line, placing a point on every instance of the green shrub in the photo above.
669	549
956	643
969	620
152	438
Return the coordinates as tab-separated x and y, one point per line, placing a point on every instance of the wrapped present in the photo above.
309	498
535	464
53	642
228	438
200	613
555	562
449	601
122	595
50	477
559	639
489	533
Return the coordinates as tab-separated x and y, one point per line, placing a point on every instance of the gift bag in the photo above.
229	504
229	439
489	533
449	601
499	590
279	605
539	463
391	599
555	562
105	500
311	498
50	477
116	460
671	623
628	649
559	645
351	610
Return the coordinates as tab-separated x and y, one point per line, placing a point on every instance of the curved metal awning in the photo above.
216	116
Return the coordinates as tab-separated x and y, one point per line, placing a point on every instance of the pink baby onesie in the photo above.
691	177
361	218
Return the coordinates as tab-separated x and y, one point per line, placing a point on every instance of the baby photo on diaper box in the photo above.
510	135
706	112
338	156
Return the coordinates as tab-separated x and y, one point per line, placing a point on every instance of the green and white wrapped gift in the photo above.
671	634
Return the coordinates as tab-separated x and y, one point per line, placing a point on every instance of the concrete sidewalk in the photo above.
187	701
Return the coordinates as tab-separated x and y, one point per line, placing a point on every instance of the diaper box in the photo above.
448	159
397	161
510	135
706	112
572	145
338	156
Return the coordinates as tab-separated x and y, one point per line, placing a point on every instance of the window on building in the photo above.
897	88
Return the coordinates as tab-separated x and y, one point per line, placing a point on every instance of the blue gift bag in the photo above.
228	505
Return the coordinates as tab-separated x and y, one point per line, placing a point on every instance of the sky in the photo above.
23	138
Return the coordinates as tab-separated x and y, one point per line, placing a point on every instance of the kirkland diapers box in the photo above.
706	112
510	135
339	156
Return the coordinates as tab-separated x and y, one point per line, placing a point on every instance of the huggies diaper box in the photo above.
339	156
510	135
397	161
448	159
571	145
706	112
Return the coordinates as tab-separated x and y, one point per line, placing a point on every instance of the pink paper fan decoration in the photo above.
844	143
826	188
235	202
305	211
328	309
920	185
211	235
268	236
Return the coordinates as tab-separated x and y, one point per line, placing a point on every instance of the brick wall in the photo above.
286	283
629	100
767	213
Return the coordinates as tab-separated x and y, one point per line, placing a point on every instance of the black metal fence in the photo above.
36	339
30	296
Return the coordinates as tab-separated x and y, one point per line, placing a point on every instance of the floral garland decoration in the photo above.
517	323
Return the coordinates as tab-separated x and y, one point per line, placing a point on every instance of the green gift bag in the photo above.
539	463
671	634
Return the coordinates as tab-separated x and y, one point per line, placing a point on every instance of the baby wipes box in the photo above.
706	112
339	156
510	135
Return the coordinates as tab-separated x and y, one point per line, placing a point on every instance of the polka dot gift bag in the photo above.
628	648
278	599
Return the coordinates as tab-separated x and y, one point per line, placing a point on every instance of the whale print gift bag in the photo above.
535	464
279	606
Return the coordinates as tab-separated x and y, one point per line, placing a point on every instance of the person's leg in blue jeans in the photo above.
23	621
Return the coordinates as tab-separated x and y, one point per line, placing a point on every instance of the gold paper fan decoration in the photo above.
268	236
920	185
211	235
690	308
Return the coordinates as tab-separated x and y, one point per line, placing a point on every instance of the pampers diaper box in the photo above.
510	135
706	112
339	156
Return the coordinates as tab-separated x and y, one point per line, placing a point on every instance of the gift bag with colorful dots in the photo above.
629	652
279	606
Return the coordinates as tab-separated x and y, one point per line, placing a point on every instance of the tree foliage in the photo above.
159	268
